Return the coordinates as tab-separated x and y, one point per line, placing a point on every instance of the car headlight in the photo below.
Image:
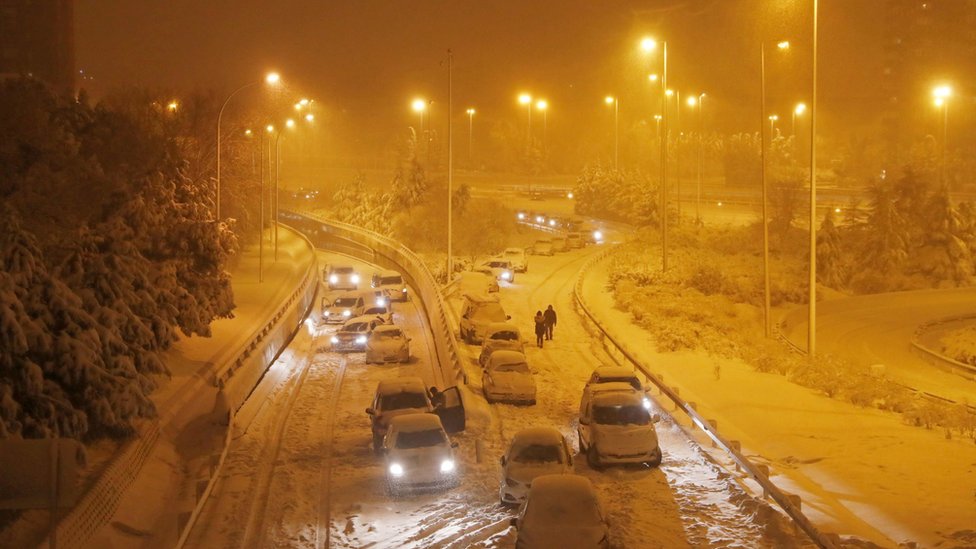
333	279
521	215
354	278
381	302
647	403
552	222
539	219
361	340
396	470
404	290
325	313
597	235
347	312
335	339
506	275
447	466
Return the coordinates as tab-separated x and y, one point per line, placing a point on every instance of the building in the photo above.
37	40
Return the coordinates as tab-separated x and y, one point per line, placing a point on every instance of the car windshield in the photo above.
398	401
513	253
489	312
507	335
621	415
355	327
392	280
632	381
539	453
421	439
342	270
498	264
388	334
376	311
512	367
345	302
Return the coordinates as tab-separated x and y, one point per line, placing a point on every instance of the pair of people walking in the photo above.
544	324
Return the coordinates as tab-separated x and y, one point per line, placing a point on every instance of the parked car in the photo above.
354	334
616	374
533	452
542	246
347	305
341	277
616	427
517	256
501	268
392	282
387	343
507	378
574	240
562	511
406	395
500	335
477	313
418	453
382	312
558	244
479	280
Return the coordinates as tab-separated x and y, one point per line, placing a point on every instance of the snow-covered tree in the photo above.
831	267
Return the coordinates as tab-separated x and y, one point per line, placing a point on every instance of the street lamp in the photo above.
648	45
419	106
772	125
611	100
272	78
543	106
470	112
173	105
526	99
799	109
700	103
941	96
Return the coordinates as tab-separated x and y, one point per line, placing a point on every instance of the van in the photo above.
558	244
542	246
477	315
574	240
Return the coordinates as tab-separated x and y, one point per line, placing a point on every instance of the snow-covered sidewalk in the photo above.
859	471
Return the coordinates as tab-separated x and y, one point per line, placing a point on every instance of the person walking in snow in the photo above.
540	328
549	317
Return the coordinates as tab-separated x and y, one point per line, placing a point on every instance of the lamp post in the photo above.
612	100
543	106
799	109
269	129
470	112
941	95
526	99
648	45
700	103
419	106
812	298
272	78
772	125
450	164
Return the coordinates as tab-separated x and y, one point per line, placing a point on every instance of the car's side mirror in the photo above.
513	522
656	418
508	317
584	421
370	411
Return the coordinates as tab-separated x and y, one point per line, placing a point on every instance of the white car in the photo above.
382	312
498	336
616	374
562	511
484	282
407	395
533	452
342	308
502	269
517	257
387	343
542	246
354	334
477	313
615	427
341	277
507	378
418	453
392	282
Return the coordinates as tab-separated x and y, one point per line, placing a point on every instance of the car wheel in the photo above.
593	459
656	460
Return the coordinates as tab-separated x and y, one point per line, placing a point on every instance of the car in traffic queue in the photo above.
533	452
542	246
343	307
615	427
478	312
616	374
354	334
341	277
558	244
392	282
387	343
501	268
498	336
574	240
507	378
418	454
479	280
562	511
382	312
406	395
517	256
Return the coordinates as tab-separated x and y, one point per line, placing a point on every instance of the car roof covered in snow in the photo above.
543	436
495	327
388	273
616	393
386	328
614	371
356	319
482	298
505	356
557	490
410	423
515	250
401	385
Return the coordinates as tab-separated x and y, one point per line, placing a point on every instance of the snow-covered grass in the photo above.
960	344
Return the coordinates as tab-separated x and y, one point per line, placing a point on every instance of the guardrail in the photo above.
386	252
788	502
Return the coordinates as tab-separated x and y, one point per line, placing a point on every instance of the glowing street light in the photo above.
526	99
653	77
470	112
941	96
798	110
543	105
648	45
290	123
309	117
273	79
611	100
772	124
700	103
173	105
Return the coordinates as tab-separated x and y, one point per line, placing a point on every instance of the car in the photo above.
558	244
354	334
392	282
500	335
616	374
382	312
479	280
507	378
477	314
517	256
562	511
406	395
418	453
341	277
615	427
593	235
501	268
574	240
542	246
387	343
347	305
533	452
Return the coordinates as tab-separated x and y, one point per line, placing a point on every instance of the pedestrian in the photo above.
540	328
550	319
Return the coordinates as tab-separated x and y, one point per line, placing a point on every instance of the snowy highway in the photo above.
301	471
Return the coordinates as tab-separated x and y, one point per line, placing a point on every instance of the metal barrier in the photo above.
784	500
